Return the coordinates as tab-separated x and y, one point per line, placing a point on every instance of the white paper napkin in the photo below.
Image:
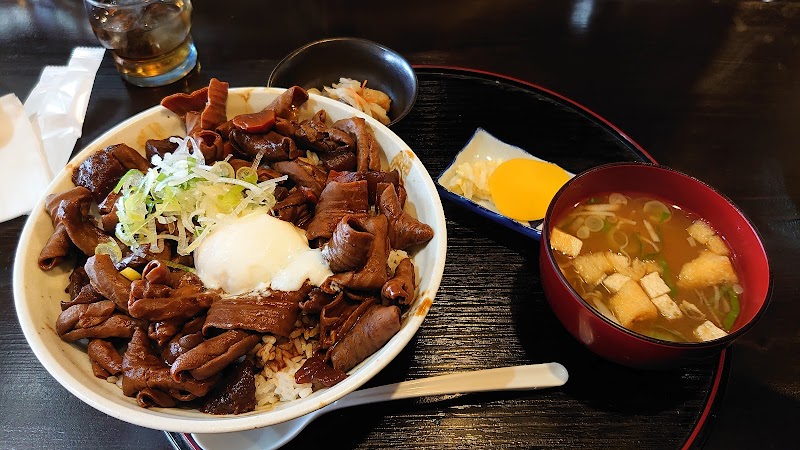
24	173
37	140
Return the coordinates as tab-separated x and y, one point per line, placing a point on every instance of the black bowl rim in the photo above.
720	342
386	49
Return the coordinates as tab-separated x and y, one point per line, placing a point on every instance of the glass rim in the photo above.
130	3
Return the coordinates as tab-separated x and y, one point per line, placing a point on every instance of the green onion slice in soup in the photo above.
730	319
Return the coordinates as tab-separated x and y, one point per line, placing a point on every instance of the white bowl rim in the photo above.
156	419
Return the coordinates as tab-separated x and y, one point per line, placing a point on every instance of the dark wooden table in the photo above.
711	88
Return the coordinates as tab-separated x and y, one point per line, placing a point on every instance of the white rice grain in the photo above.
280	359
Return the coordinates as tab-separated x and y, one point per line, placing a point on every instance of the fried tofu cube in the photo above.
619	263
630	304
592	267
615	281
654	285
718	246
565	243
636	269
701	231
708	269
708	331
704	234
667	307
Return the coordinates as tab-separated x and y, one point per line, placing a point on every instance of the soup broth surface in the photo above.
681	265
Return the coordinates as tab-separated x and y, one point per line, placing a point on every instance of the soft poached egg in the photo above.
258	252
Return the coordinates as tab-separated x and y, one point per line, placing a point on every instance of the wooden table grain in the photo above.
707	87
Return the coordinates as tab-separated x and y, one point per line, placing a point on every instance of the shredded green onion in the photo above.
729	320
668	279
247	174
183	190
175	265
109	248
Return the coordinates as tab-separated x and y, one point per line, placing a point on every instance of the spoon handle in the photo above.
534	376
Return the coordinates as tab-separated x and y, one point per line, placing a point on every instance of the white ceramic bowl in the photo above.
37	293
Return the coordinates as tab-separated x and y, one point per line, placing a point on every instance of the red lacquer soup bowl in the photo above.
609	339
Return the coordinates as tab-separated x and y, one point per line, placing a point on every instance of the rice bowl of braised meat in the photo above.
230	260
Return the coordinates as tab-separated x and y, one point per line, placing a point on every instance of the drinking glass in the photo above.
149	39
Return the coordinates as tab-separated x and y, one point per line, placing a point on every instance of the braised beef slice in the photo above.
258	122
314	134
349	246
225	129
109	221
376	182
189	337
181	103
162	295
158	147
293	208
286	127
129	158
368	149
108	212
192	122
162	331
272	146
69	213
336	201
118	325
95	314
316	300
214	113
180	345
401	287
106	280
315	371
68	319
211	356
56	248
149	397
338	317
404	229
375	271
103	353
77	280
86	295
272	312
142	369
235	394
210	144
100	172
371	331
98	371
303	174
286	105
339	161
109	203
281	192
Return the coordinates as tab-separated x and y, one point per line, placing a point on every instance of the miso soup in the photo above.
649	266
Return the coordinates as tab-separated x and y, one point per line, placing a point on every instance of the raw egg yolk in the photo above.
523	188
